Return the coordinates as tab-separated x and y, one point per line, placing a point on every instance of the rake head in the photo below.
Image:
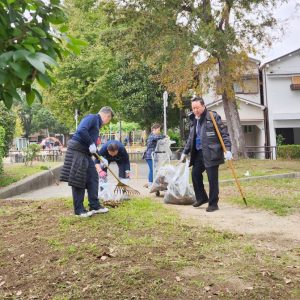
126	189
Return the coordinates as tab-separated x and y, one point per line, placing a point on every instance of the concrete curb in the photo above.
30	183
284	175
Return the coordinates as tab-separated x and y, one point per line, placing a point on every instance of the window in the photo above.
295	83
247	86
247	129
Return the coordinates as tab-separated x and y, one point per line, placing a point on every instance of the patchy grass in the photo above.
259	167
280	195
140	250
15	172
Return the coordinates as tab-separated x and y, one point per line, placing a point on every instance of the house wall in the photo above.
210	95
282	102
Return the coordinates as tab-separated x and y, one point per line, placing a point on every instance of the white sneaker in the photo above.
85	214
101	210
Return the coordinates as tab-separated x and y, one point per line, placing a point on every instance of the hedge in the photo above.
288	151
2	142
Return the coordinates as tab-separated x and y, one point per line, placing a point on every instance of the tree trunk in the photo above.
232	115
234	127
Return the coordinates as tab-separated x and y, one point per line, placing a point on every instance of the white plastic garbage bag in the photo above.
163	176
179	190
106	193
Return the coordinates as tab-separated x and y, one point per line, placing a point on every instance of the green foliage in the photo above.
175	136
83	82
279	140
140	99
8	122
2	137
36	117
288	151
32	41
30	153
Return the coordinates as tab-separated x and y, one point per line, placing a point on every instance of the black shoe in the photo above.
199	203
212	208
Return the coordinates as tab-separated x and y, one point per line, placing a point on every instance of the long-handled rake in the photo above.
229	161
120	187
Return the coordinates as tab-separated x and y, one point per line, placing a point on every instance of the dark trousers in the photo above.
92	179
213	179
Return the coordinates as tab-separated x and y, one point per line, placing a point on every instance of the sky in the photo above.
287	14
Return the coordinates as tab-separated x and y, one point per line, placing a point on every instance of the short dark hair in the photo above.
155	126
113	147
107	110
199	99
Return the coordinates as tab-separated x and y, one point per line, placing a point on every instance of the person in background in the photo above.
206	153
114	151
79	168
154	136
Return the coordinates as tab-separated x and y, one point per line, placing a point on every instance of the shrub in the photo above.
31	152
2	140
8	122
175	136
288	151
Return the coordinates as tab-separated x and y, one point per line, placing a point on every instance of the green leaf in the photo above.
78	42
8	100
22	69
36	62
2	77
5	57
39	31
30	96
45	58
31	40
15	95
44	80
38	95
55	2
63	28
10	1
20	54
74	48
57	16
29	47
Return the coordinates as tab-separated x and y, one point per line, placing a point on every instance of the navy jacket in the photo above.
121	158
88	130
151	144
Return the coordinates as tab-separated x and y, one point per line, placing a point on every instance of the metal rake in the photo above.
120	187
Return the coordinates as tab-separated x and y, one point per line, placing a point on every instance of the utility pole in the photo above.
76	117
165	97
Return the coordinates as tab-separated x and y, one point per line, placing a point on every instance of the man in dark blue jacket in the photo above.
79	168
115	151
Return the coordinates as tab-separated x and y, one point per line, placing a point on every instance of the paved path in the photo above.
229	217
63	190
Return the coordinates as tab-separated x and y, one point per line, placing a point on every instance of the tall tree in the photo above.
83	81
32	39
172	34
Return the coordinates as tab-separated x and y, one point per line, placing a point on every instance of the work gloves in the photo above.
93	148
228	155
104	161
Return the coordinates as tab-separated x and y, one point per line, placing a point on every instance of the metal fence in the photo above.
44	155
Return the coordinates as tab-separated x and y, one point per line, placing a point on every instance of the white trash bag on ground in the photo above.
179	190
163	176
106	193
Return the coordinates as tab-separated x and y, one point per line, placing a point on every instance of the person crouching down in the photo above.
114	151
